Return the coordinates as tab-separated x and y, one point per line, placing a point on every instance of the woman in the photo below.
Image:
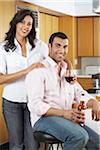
19	54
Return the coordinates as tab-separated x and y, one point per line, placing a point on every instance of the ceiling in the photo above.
69	7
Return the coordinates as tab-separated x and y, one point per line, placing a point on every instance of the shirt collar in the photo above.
28	46
27	43
54	64
62	72
51	62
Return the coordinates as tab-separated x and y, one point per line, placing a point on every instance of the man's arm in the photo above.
95	109
35	90
90	101
55	112
73	114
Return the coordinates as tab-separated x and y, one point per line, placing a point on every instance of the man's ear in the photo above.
49	45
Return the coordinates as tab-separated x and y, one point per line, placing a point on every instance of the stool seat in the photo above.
45	138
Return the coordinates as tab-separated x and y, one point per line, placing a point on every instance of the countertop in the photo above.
95	125
84	76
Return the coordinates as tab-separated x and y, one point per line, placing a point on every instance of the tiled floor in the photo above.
4	147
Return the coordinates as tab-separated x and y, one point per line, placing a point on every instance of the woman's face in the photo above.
24	27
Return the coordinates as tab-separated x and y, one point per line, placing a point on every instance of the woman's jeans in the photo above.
73	135
17	119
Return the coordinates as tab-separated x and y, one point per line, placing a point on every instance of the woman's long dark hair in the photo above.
10	35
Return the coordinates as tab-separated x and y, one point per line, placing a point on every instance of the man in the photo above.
51	100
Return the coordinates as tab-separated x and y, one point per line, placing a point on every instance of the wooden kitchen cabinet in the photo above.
55	24
48	25
68	25
88	36
85	36
42	26
96	36
7	11
86	83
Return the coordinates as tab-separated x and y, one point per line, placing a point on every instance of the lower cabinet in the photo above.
86	83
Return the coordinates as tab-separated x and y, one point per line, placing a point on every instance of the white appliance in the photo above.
90	70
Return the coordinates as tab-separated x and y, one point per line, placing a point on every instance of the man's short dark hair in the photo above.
57	34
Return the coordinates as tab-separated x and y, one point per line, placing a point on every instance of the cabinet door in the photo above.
86	83
68	25
42	26
48	25
55	23
7	11
85	36
96	36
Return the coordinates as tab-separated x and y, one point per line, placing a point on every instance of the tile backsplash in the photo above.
89	61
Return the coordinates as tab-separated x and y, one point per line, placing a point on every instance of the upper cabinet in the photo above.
96	36
48	25
68	25
88	36
7	11
85	36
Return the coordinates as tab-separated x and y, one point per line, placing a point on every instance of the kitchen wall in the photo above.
89	61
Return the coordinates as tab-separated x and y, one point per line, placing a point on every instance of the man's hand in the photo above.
74	115
96	111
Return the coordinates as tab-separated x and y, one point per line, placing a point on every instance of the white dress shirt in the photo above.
12	62
46	90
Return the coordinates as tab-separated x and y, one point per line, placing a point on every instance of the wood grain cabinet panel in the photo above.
7	11
86	83
48	29
96	36
42	25
55	24
68	25
88	36
48	25
85	36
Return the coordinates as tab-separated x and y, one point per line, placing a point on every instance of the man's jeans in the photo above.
73	135
17	119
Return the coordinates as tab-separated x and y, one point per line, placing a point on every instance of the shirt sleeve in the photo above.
35	86
3	66
78	91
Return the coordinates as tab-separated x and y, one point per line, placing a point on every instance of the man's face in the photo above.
59	49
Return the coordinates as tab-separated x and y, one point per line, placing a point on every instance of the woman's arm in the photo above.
8	78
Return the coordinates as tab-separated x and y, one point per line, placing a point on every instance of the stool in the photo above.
48	139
